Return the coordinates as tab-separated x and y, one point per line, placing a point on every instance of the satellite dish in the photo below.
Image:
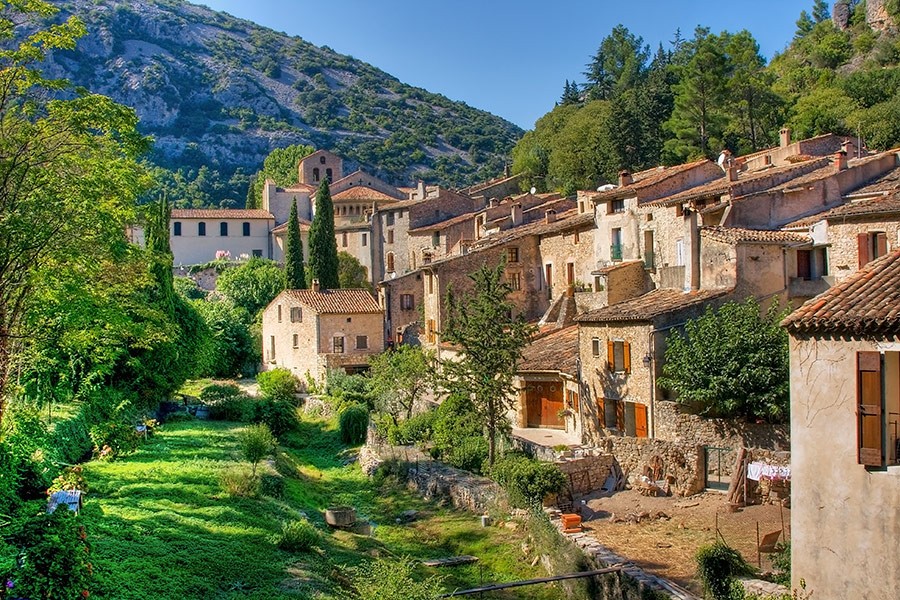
533	190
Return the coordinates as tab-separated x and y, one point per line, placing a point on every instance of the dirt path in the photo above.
666	547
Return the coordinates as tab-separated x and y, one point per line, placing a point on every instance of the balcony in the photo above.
615	252
799	287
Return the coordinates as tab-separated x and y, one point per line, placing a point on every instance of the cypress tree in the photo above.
323	258
160	254
293	253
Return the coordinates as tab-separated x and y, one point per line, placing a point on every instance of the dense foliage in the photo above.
354	421
400	378
351	273
491	339
323	254
690	100
527	481
252	285
385	579
294	267
281	167
718	566
731	362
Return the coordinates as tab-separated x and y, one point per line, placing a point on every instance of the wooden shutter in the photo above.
627	354
880	244
862	248
870	428
620	415
640	420
804	264
611	355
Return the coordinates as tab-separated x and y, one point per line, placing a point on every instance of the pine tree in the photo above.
323	255
571	94
821	11
293	253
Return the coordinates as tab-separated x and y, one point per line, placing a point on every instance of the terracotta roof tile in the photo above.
650	305
555	351
304	225
866	304
345	301
443	224
220	213
361	192
888	182
645	179
736	235
879	205
569	219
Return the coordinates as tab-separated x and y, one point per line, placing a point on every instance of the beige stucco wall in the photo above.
845	519
189	248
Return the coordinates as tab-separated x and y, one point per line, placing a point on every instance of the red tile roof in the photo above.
555	351
440	226
650	305
736	235
865	304
879	205
361	192
220	213
565	221
645	179
345	301
304	225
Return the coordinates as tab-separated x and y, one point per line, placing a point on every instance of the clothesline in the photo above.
759	470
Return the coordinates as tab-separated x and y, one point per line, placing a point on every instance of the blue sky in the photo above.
510	58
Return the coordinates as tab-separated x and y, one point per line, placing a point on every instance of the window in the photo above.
316	175
407	302
245	229
201	228
257	253
296	314
176	228
364	240
390	262
279	313
271	348
328	174
362	342
613	414
595	346
804	264
223	229
390	236
296	341
649	258
616	206
615	249
436	239
512	255
679	252
430	283
389	218
338	344
344	240
577	237
321	160
515	281
618	356
871	245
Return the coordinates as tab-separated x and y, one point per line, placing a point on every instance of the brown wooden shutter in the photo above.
627	356
862	248
620	415
611	355
880	244
870	428
640	420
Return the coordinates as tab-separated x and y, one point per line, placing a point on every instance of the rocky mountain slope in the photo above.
221	92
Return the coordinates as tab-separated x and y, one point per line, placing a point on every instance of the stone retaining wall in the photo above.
586	474
683	461
674	424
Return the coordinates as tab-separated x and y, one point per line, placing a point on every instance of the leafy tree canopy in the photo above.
252	285
281	167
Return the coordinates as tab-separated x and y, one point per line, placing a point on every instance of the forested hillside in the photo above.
219	93
639	108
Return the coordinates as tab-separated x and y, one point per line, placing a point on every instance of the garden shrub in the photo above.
718	565
71	440
257	443
278	384
54	561
297	536
215	392
279	415
527	481
239	482
469	453
27	465
455	433
386	578
113	439
70	479
414	430
238	408
354	421
781	561
271	485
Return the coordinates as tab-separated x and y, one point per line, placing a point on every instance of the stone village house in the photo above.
845	409
312	331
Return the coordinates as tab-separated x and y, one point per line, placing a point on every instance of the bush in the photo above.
416	429
239	482
216	392
70	479
113	438
349	388
54	560
297	536
278	384
718	565
271	485
468	453
527	481
388	579
279	415
354	421
71	440
257	443
781	561
239	408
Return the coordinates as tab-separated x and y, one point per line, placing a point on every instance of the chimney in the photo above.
515	213
733	173
849	148
315	285
550	216
506	170
625	178
420	190
840	161
767	160
785	134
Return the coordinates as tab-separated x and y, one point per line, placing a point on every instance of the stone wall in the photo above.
682	461
586	474
674	424
843	255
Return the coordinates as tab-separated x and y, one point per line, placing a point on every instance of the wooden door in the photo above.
549	279
543	403
640	420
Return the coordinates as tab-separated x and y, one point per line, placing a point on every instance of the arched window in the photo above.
390	262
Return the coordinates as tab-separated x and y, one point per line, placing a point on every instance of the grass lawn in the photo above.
162	527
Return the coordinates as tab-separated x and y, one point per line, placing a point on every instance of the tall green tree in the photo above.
491	339
323	254
618	65
570	94
400	378
731	362
69	174
281	167
252	285
755	110
352	273
294	269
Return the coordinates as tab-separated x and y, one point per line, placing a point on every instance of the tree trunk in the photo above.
4	369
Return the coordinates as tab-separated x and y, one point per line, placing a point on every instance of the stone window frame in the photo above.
296	314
